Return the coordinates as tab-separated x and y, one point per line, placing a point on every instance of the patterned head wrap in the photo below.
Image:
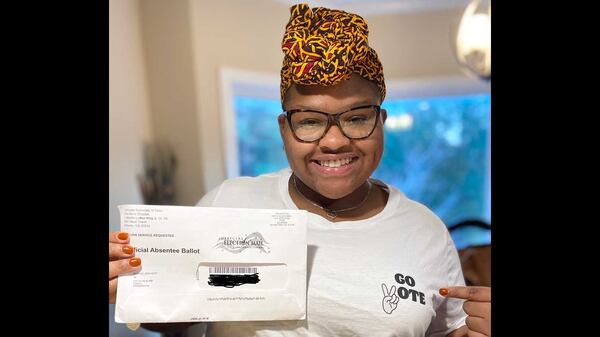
325	46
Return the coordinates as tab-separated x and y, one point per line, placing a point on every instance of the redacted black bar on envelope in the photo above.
232	276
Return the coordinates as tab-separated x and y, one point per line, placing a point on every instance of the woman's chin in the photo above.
334	192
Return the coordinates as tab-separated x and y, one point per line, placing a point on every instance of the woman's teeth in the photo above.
335	163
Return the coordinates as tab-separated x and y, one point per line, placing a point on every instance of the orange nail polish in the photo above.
134	262
128	250
123	236
443	291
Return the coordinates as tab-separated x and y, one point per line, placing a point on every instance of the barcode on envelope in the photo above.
232	270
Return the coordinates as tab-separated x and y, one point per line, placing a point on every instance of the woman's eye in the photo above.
357	119
309	122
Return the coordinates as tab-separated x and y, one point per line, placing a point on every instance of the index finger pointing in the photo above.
478	294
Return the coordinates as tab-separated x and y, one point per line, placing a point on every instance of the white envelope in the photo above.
213	264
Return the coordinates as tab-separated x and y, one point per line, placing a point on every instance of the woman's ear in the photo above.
281	121
383	115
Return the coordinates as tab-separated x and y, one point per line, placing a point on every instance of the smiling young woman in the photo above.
364	236
331	172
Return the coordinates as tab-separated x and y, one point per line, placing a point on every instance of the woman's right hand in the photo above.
121	260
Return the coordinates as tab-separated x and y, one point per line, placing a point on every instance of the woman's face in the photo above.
310	161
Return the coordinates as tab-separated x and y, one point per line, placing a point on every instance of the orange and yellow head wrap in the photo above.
325	46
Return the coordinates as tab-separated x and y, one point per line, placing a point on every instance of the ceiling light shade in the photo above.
473	39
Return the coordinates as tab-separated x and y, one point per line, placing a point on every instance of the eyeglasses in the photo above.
310	126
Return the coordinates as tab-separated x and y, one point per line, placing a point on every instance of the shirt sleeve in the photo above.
209	198
449	313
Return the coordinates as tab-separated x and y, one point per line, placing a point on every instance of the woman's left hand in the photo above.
478	306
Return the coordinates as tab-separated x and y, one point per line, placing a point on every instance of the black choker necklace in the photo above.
331	212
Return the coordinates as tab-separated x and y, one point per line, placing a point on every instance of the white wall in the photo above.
129	112
129	121
166	29
237	34
415	45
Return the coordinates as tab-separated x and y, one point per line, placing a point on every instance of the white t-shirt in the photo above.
405	249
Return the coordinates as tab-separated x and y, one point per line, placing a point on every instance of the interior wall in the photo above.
129	110
130	122
172	89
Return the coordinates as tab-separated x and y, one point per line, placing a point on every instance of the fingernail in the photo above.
128	250
123	236
134	262
443	291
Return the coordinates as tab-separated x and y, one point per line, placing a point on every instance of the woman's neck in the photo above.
351	200
362	203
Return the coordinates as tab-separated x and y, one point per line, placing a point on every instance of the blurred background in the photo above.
194	96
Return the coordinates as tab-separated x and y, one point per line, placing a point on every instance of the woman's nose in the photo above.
334	138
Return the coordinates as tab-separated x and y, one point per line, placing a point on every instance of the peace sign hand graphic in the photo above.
390	299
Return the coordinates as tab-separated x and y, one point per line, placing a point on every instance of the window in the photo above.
436	152
259	143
